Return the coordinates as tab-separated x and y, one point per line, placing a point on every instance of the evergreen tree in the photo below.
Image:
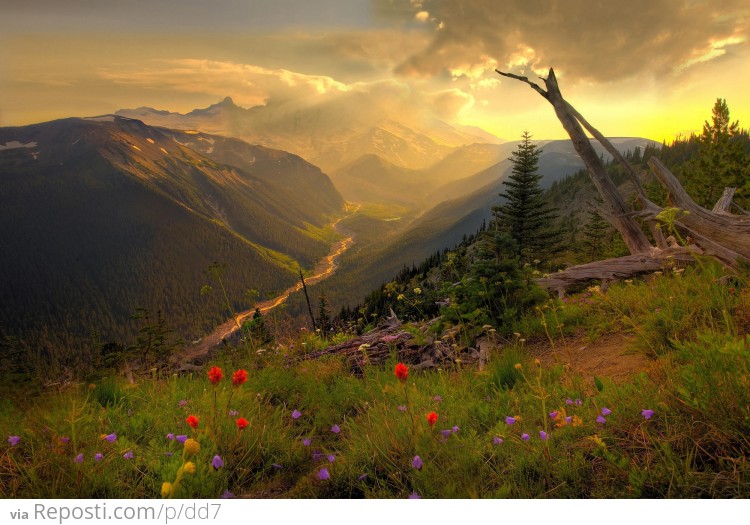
722	160
595	236
324	317
526	215
257	329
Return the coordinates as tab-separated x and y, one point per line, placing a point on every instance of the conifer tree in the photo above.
526	214
324	317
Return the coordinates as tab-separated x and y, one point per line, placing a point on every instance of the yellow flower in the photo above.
518	366
166	489
417	290
189	467
192	447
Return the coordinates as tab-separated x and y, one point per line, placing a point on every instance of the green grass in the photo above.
695	445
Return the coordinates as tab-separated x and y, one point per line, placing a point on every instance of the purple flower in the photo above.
79	458
510	420
98	456
227	495
553	414
233	413
276	466
417	463
362	477
497	440
128	454
455	430
170	436
217	462
606	411
543	435
569	419
445	433
579	402
335	429
525	437
182	402
569	401
647	413
601	420
14	440
296	414
65	440
437	398
414	495
111	438
306	442
323	474
402	408
181	438
331	458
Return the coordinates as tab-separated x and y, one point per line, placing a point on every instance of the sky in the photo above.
649	68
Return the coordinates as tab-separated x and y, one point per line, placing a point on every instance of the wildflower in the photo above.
65	440
192	447
242	423
98	456
455	429
227	495
437	399
601	420
525	437
217	462
307	442
111	437
335	429
296	414
189	467
233	413
323	474
166	489
331	458
543	435
579	402
510	420
553	414
128	454
417	290
606	411
182	402
362	477
497	440
79	458
180	438
414	495
215	375
192	421
239	377
14	440
647	413
446	433
569	401
402	408
569	419
518	366
432	418
417	463
401	371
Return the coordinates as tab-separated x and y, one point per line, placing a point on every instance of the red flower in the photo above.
239	377
432	418
192	421
242	423
402	371
215	374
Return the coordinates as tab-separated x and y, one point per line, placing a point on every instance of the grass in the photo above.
694	445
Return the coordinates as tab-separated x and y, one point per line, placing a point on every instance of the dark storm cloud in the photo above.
587	40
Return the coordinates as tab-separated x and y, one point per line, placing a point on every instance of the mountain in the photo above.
329	134
101	216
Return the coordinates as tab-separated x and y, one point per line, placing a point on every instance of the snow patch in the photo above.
13	144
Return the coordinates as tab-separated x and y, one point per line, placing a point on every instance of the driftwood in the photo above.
716	233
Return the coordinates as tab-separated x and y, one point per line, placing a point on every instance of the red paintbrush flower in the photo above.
242	423
401	371
432	418
192	421
215	374
239	377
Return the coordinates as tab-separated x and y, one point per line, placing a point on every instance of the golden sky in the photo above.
650	68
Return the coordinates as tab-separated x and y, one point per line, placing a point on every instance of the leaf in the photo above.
598	384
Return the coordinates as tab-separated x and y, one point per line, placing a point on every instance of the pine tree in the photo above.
595	236
324	317
526	214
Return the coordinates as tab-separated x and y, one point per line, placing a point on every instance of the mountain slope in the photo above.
101	216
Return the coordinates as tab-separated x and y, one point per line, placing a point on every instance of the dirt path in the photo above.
324	269
611	356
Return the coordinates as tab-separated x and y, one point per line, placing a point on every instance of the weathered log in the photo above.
725	201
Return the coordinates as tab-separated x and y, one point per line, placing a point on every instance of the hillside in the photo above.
101	216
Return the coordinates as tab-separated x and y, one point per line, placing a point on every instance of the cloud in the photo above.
583	40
